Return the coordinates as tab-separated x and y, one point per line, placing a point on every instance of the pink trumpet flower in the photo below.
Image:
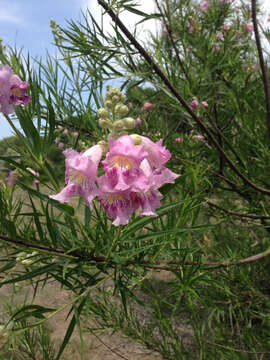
81	174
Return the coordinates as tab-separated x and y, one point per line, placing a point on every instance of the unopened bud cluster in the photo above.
113	116
26	258
57	33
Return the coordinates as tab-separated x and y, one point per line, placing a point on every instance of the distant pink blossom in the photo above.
248	28
138	122
194	104
220	36
65	132
190	28
12	90
35	182
56	140
75	133
60	145
60	127
147	106
204	6
205	104
12	178
33	172
196	137
225	28
179	139
255	67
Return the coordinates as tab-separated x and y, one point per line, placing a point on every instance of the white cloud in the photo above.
128	18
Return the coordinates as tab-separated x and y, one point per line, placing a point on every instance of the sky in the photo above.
25	23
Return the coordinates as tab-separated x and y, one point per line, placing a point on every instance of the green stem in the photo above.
21	137
114	243
83	232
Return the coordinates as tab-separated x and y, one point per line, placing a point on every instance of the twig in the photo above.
237	350
107	346
262	65
169	31
169	85
237	213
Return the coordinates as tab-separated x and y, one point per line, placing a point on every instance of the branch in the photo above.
169	85
146	263
237	213
262	65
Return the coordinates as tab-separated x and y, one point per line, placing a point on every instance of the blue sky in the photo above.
26	23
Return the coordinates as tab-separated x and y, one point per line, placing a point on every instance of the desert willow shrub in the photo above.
123	219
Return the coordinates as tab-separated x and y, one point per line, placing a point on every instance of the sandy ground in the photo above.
105	347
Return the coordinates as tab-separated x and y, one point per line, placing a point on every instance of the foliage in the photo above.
211	235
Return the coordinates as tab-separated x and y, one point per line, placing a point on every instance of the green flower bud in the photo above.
27	262
105	123
118	125
136	139
21	256
52	23
103	113
115	99
129	123
109	104
123	110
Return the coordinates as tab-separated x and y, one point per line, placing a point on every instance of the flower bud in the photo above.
147	106
115	99
136	139
121	109
109	104
52	23
138	122
27	262
118	125
105	123
103	113
129	123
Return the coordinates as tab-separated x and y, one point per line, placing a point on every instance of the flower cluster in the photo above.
134	169
12	90
133	174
